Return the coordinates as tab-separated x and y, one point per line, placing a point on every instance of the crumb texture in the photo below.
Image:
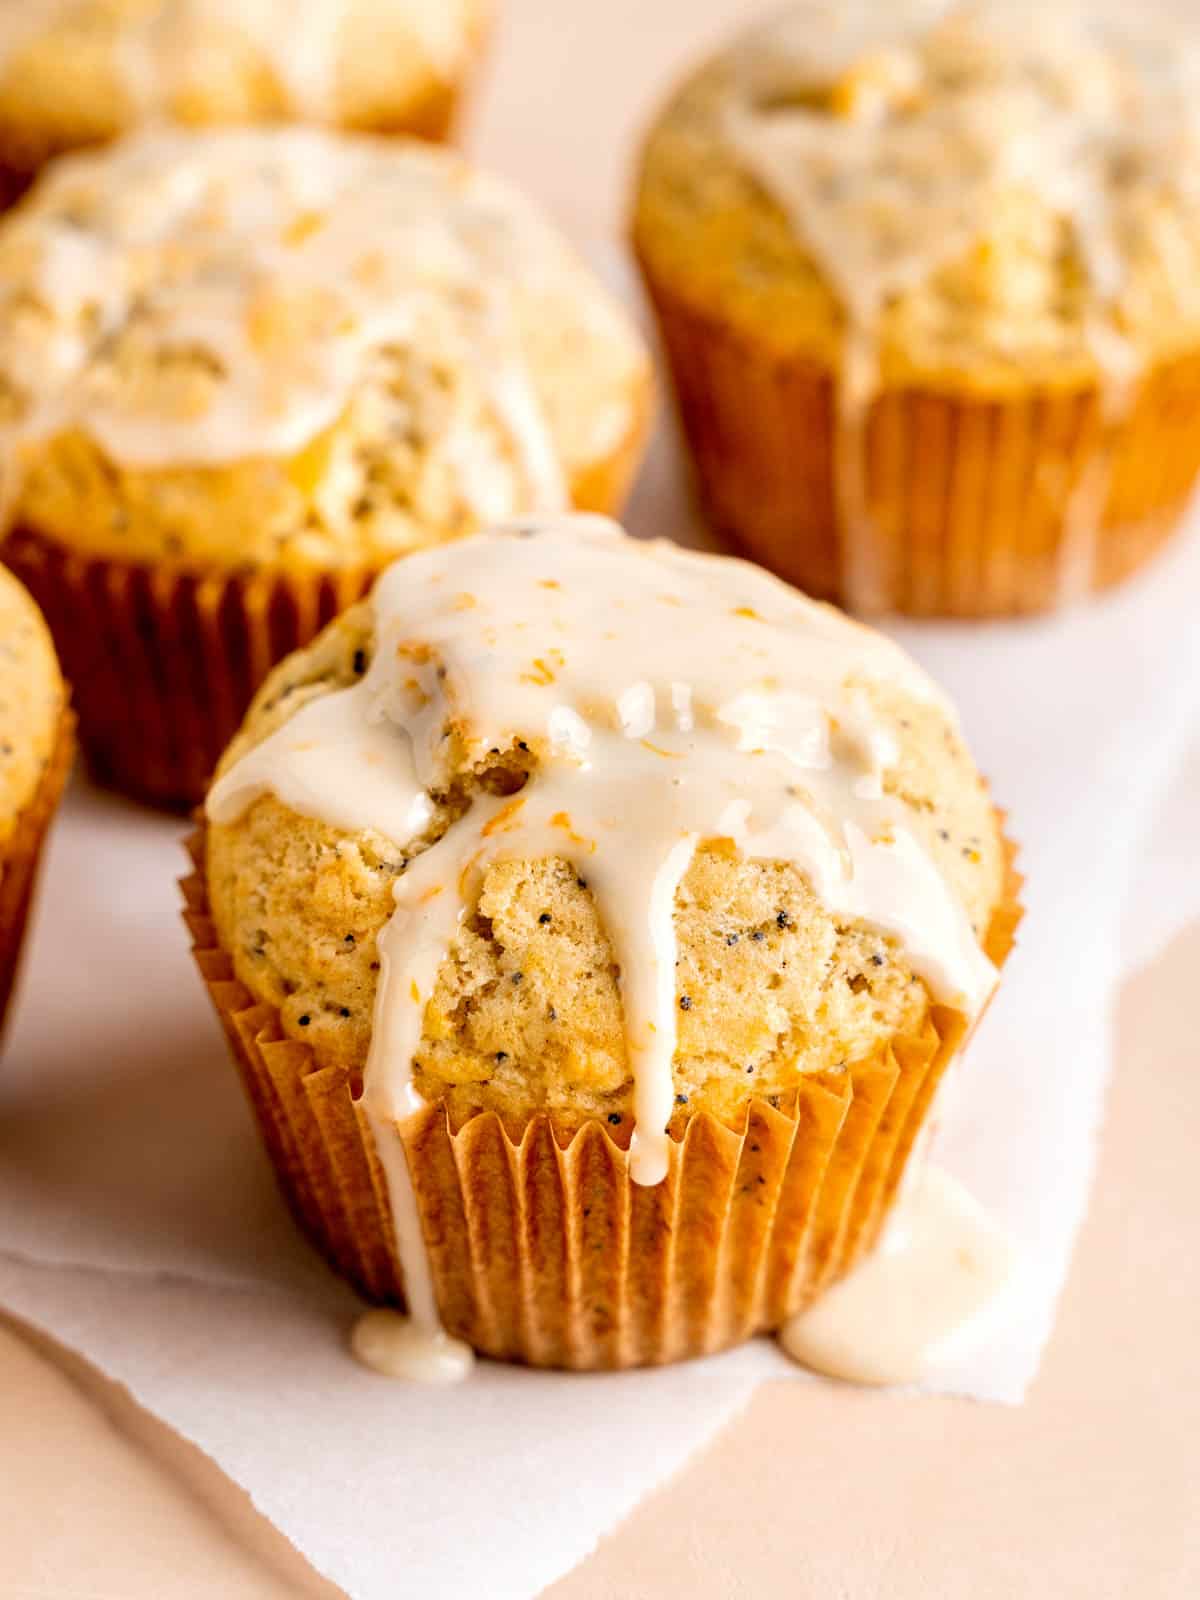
526	1012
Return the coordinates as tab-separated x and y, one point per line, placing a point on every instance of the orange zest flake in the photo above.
549	583
431	894
416	993
543	672
560	819
503	817
465	602
371	269
465	876
414	650
671	755
747	611
303	226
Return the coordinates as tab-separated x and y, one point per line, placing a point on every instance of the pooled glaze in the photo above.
397	1346
665	699
161	48
278	262
891	137
920	1294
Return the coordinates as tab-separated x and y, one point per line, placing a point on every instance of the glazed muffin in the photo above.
242	371
593	923
35	757
928	278
75	73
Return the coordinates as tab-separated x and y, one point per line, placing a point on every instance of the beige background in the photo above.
1091	1489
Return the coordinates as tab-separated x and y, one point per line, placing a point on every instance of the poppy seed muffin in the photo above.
35	747
927	280
82	72
242	371
818	976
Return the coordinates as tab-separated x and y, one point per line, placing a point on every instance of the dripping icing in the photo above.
890	136
646	739
918	1299
283	262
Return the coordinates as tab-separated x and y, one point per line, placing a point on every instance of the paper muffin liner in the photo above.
542	1248
163	664
20	856
948	504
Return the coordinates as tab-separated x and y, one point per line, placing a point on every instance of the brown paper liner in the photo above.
163	665
542	1248
974	506
20	857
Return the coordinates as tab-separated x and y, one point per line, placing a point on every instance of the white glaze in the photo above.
948	107
919	1296
668	698
289	258
396	1346
163	47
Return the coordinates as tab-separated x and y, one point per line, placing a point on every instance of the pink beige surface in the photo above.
817	1490
1089	1489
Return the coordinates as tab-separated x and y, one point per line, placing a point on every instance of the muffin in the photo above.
35	757
75	73
241	372
593	922
928	278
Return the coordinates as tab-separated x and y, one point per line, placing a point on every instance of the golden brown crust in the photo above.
1014	310
67	86
32	698
416	437
20	855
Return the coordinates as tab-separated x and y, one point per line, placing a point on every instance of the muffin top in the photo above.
287	348
559	820
75	72
996	190
31	700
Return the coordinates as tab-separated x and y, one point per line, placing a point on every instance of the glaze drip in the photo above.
658	699
198	299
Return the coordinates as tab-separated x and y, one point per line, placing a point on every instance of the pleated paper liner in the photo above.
542	1249
163	664
20	857
969	506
